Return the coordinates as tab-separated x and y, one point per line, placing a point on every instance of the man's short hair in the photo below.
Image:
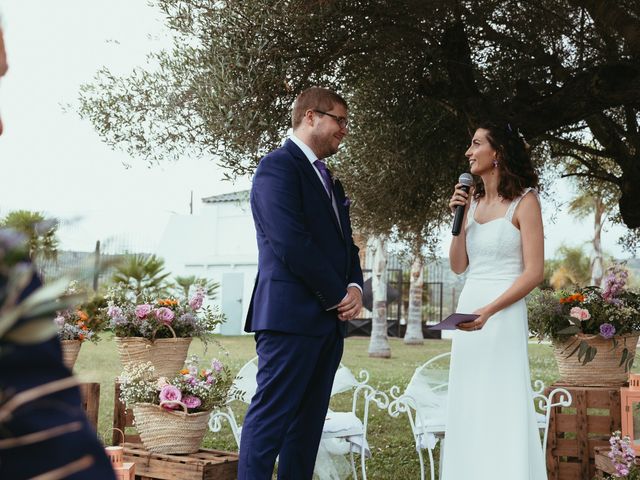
314	98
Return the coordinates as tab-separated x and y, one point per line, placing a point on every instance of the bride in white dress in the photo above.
491	431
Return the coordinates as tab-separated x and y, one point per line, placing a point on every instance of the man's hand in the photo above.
350	305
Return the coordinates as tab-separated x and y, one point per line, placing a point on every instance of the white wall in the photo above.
221	239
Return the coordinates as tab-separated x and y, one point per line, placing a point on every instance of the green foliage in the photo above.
417	75
187	283
41	233
142	275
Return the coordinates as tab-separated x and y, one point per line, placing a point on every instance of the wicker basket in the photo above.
170	431
166	354
604	370
70	350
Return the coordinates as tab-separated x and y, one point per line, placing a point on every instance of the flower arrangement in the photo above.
187	317
606	312
198	389
623	458
72	325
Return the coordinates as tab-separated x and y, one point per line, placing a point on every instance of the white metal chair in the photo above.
424	400
342	426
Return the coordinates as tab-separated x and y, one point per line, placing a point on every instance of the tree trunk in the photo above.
413	335
597	267
379	343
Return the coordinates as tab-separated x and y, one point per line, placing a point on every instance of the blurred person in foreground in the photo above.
43	428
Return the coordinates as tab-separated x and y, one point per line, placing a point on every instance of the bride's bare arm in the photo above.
528	218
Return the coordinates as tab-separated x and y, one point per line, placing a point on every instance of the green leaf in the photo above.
625	353
572	330
32	332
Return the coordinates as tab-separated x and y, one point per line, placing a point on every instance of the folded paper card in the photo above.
452	321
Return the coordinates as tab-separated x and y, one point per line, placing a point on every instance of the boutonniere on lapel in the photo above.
347	202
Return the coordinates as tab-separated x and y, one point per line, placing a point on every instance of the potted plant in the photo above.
171	413
159	330
594	331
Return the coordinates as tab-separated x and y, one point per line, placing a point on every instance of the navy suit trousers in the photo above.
287	413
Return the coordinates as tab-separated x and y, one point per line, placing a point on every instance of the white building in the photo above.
220	244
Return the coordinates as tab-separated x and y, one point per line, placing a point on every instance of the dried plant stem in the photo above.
40	391
40	436
69	469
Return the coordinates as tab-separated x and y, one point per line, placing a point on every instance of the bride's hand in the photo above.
478	323
460	197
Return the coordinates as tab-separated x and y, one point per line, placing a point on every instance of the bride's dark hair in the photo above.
514	161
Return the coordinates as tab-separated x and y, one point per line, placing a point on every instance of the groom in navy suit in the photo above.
309	284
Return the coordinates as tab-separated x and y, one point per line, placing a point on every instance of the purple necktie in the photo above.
324	173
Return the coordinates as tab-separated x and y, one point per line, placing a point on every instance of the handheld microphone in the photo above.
466	179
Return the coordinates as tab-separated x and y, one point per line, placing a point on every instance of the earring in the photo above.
495	163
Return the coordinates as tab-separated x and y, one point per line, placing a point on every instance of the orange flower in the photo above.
184	371
81	337
82	315
167	302
576	297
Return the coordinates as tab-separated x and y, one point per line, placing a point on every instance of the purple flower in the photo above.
196	301
188	318
169	393
164	314
192	402
607	330
143	310
347	202
114	311
59	320
216	365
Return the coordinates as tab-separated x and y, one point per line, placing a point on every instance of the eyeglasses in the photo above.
341	121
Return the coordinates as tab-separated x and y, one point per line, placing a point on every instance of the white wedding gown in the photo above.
491	431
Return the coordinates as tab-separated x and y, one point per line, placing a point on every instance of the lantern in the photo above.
123	470
630	400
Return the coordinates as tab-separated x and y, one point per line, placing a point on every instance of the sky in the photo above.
55	162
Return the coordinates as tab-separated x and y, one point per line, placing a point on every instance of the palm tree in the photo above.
185	283
413	335
40	233
379	342
572	268
143	275
585	204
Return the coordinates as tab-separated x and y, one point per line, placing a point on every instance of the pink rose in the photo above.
59	320
580	313
164	314
192	402
143	310
169	393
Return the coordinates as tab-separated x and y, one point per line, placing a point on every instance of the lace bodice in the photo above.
494	248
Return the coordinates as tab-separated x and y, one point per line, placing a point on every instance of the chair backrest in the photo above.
245	381
428	385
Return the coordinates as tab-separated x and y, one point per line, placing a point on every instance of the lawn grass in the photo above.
391	441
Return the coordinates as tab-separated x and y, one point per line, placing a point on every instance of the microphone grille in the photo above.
466	179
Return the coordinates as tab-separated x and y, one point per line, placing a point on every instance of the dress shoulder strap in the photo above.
516	201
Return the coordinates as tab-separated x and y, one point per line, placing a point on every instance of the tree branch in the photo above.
608	15
588	93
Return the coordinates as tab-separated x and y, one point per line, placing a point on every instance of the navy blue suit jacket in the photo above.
306	258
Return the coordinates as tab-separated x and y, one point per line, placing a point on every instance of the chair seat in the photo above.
341	424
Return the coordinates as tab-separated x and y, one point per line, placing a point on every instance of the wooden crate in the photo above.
205	464
604	465
90	395
575	431
122	420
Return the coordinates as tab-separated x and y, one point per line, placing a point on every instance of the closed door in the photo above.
232	287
